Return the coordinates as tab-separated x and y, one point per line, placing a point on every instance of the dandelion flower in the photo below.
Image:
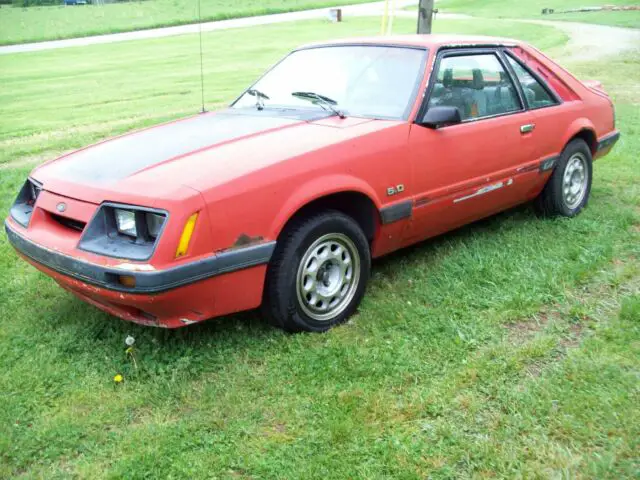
118	378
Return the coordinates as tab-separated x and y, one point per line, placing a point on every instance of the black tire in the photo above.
282	304
552	201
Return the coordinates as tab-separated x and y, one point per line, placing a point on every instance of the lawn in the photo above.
533	9
509	348
35	24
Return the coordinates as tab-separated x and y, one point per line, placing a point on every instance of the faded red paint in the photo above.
249	188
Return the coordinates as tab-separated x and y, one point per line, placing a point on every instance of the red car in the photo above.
340	153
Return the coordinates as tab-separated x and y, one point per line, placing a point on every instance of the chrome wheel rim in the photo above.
574	181
328	276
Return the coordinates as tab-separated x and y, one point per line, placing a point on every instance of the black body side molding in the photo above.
396	212
549	163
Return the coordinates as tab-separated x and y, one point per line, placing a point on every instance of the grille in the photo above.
69	222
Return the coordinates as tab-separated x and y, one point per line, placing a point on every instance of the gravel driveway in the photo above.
589	42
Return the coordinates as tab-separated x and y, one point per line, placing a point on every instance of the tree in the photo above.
425	16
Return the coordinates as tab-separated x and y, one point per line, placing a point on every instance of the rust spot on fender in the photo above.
245	240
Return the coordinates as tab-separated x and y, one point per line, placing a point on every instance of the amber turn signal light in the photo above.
185	238
127	281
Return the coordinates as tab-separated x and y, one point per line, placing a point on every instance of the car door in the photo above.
545	104
482	165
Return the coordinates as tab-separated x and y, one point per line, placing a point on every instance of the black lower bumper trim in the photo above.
608	141
153	281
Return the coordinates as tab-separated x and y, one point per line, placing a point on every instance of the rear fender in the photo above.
575	127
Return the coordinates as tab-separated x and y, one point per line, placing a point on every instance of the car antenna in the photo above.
201	60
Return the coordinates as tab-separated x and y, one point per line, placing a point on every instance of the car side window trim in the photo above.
514	80
458	52
550	91
416	86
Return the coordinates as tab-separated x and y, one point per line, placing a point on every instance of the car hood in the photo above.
197	152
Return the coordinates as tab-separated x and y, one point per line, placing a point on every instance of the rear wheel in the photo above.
318	273
567	191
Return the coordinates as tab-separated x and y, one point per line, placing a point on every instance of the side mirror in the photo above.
437	117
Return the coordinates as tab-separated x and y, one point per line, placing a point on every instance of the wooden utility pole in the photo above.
425	16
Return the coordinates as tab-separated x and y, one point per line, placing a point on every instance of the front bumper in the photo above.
217	285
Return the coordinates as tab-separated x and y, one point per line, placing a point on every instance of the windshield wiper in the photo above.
321	100
260	97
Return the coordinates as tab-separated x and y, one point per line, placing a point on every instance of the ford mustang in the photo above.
342	152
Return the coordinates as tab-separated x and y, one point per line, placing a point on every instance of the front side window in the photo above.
477	85
369	81
535	94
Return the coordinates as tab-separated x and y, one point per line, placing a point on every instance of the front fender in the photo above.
316	189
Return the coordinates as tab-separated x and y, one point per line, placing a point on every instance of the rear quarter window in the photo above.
536	94
552	80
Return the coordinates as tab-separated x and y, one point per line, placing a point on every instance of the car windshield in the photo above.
368	81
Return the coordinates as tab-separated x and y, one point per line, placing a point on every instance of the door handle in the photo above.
528	128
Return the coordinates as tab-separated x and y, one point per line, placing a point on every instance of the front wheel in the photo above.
318	273
567	191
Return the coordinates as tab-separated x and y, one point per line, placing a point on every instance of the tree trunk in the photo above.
425	16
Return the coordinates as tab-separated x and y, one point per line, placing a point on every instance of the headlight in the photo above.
124	231
127	225
154	223
126	222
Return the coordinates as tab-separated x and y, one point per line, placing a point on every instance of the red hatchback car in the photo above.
340	153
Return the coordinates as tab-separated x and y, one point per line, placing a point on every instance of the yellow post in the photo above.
391	17
383	27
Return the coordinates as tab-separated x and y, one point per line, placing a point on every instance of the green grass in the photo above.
533	9
509	348
36	24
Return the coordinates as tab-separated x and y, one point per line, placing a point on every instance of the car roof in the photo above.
422	41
